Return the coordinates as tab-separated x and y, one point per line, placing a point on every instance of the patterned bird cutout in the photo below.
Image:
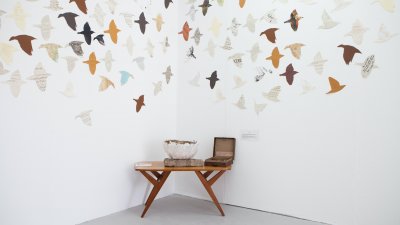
239	82
348	53
7	52
113	31
295	49
99	15
234	27
185	31
237	59
269	17
81	5
357	32
273	94
335	85
270	34
211	48
367	66
157	87
70	62
384	35
241	103
105	83
213	79
258	108
3	71
254	52
190	53
318	63
294	20
68	91
54	5
165	45
250	23
262	71
76	47
70	19
139	62
85	117
227	45
139	103
327	22
195	81
197	35
215	27
128	18
204	7
275	57
92	62
168	74
45	27
19	15
15	83
25	42
142	23
52	50
159	22
40	76
125	77
87	33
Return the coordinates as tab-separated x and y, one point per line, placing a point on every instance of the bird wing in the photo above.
81	5
26	44
335	85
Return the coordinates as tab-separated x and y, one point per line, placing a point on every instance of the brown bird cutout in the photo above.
335	86
113	31
139	103
270	34
289	74
185	31
105	83
294	20
275	57
92	62
25	42
241	3
81	5
348	53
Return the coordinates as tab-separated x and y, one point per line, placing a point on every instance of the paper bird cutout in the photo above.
54	5
289	74
258	108
241	103
237	59
327	22
341	4
220	2
348	53
335	85
228	45
262	71
100	39
165	44
85	117
68	91
195	81
25	42
294	20
275	57
139	103
185	31
142	23
197	35
367	66
112	4
92	62
270	17
166	3
2	70
357	32
15	83
19	15
384	35
234	27
270	34
40	76
211	48
205	6
307	87
254	52
213	79
295	49
388	5
241	3
219	96
128	18
190	53
157	87
108	60
76	47
81	4
150	48
159	22
139	62
7	52
99	15
215	27
239	82
129	45
52	50
70	62
273	94
105	83
87	33
125	77
45	27
70	19
113	31
250	23
318	63
168	74
192	13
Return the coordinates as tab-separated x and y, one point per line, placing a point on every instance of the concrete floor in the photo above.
182	210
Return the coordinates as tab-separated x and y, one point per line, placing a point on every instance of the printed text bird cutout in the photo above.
213	79
25	42
113	31
185	31
70	19
289	74
81	5
142	23
275	57
270	34
92	62
87	33
335	85
294	20
139	103
348	53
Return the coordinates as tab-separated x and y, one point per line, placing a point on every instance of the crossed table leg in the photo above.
160	179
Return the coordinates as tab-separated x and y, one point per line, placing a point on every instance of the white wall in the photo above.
330	158
53	168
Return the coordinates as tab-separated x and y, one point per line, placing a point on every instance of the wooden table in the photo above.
152	173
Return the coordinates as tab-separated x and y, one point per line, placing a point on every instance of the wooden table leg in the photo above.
157	187
208	183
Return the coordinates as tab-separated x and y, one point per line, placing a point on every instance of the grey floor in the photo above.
182	210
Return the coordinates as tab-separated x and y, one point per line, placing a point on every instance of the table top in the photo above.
159	166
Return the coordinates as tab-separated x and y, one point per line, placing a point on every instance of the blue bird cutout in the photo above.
125	77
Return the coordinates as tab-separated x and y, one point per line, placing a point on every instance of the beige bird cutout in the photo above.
237	59
357	32
128	18
40	76
269	17
168	74
239	82
3	71
254	52
85	117
275	57
307	87
273	94
241	103
258	108
99	15
112	4
113	31
54	5
195	81
108	60
139	62
105	83
7	52
157	87
15	83
327	22
295	49
70	62
150	48
92	62
341	4
52	50
159	22
250	23
388	5
228	45
45	27
219	96
384	35
211	48
129	45
19	15
335	85
165	45
68	91
367	66
318	63
215	27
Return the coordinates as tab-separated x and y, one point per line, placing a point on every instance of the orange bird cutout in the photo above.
113	31
92	62
139	103
275	57
335	86
185	31
25	42
241	3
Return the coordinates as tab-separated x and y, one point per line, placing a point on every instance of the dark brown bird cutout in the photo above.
139	103
166	3
335	86
25	42
142	22
289	74
213	79
294	20
70	19
81	5
348	53
270	34
204	6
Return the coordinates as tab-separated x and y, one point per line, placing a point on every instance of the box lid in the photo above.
224	146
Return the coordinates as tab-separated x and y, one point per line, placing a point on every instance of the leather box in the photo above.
223	153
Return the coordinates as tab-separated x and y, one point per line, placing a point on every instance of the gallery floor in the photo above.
182	210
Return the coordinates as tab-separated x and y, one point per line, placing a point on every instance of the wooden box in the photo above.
223	153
